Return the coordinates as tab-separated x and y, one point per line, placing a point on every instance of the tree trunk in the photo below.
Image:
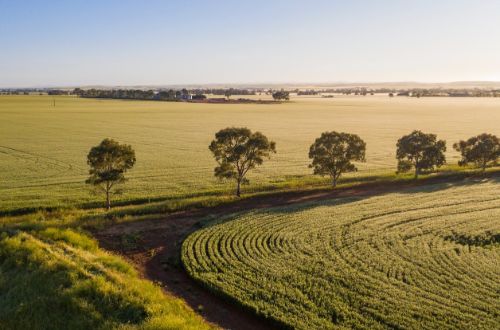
484	166
238	188
108	201
334	181
416	173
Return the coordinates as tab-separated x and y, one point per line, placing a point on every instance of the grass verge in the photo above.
60	279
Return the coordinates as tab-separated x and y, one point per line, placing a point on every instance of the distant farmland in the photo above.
423	258
43	147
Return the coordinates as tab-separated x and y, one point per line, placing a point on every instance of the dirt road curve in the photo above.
153	246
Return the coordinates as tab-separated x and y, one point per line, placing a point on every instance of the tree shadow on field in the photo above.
336	197
304	206
149	200
286	208
472	180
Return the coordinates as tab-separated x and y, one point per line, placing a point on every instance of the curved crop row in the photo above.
423	259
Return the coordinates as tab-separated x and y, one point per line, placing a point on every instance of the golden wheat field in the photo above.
43	147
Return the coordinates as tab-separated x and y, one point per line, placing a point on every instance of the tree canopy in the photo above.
108	163
281	95
420	151
238	150
332	154
480	150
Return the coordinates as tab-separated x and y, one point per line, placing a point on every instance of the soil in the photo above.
153	246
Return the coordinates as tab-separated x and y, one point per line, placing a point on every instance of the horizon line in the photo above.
253	84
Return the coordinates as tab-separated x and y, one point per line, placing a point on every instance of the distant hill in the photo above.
372	85
404	84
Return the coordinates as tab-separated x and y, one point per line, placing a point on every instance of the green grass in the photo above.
60	279
43	148
425	258
94	217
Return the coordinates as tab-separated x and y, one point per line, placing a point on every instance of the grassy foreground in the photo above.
60	279
426	258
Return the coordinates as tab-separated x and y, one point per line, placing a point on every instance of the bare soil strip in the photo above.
153	246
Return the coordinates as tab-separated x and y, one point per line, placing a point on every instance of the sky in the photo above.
153	42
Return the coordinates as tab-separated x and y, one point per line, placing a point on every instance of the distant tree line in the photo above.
225	91
199	93
58	92
22	91
412	92
169	95
306	92
138	94
36	91
161	94
440	92
359	91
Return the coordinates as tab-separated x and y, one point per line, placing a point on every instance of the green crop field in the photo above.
425	258
43	147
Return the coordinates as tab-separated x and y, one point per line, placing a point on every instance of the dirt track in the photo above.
156	252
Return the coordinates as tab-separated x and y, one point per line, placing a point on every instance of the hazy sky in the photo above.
48	43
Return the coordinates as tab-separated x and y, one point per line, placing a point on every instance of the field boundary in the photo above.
158	254
203	198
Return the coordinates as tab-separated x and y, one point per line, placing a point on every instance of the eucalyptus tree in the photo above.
420	151
481	150
237	150
333	153
109	161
